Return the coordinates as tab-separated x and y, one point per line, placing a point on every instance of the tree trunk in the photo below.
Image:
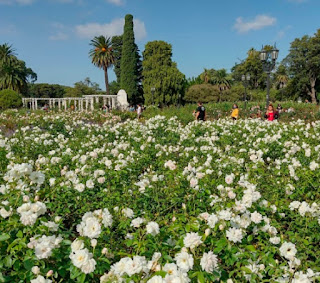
313	80
106	79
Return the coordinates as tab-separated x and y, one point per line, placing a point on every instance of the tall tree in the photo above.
222	80
129	80
207	75
304	63
102	56
281	77
161	73
251	65
117	52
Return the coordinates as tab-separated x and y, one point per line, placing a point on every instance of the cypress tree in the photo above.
161	73
117	51
129	80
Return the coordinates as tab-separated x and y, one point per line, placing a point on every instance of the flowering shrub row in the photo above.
217	201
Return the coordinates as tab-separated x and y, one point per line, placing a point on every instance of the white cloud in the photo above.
116	2
59	36
110	29
259	22
21	2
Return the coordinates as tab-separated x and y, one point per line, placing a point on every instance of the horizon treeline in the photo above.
153	78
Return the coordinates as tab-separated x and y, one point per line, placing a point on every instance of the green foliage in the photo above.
44	90
114	87
125	115
207	75
251	65
9	99
304	65
202	92
160	72
130	65
116	42
14	73
85	87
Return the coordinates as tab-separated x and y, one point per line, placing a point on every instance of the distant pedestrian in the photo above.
200	113
279	108
45	107
271	114
139	111
235	112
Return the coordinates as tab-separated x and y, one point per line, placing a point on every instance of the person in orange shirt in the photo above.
235	112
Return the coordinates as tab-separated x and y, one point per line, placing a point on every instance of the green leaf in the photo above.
251	248
4	237
246	269
81	278
20	234
8	261
1	278
28	264
201	278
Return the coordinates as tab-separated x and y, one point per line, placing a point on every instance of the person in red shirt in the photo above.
271	114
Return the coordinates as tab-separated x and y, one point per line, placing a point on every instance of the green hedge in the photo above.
10	99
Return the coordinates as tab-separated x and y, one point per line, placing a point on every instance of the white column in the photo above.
59	104
104	101
97	99
92	104
87	102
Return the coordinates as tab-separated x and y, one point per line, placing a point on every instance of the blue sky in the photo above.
53	36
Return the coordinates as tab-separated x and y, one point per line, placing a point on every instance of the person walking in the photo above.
139	111
235	112
200	113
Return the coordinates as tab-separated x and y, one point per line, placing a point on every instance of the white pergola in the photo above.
80	103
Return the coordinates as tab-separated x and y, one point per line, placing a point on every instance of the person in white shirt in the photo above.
139	111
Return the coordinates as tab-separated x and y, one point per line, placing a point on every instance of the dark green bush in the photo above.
10	99
203	92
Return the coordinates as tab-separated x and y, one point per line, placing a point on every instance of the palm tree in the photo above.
12	76
205	76
13	72
6	53
102	55
222	80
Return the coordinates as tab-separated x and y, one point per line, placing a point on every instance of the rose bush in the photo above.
218	201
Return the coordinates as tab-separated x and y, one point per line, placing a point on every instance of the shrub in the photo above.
203	92
10	99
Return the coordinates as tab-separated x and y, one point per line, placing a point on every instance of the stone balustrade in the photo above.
84	103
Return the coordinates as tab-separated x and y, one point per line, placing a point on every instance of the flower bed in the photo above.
217	201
